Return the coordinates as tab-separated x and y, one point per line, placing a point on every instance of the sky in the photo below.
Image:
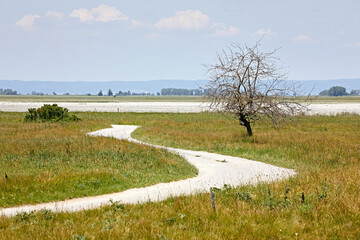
118	40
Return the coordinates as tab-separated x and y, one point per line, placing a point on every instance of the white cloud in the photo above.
27	22
108	14
102	13
189	19
226	31
263	32
302	38
54	14
195	19
83	14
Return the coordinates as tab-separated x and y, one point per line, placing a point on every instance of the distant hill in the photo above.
152	86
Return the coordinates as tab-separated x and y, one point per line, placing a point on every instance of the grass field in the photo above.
55	161
321	202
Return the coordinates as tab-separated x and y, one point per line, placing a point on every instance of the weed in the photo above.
270	202
223	161
170	221
322	191
160	236
244	196
116	206
25	217
78	237
213	200
286	197
306	205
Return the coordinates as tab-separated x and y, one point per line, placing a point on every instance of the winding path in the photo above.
215	170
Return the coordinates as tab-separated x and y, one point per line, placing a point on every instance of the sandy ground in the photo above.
334	108
215	170
180	107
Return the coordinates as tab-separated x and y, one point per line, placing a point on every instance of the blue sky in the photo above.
115	40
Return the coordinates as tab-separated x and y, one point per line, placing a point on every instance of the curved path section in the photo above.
215	170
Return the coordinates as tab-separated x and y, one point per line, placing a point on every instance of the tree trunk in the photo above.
248	128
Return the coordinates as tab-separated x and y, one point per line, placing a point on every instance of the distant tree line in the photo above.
37	93
7	92
121	93
339	91
182	91
355	92
164	92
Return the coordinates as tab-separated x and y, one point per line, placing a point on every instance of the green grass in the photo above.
321	202
55	161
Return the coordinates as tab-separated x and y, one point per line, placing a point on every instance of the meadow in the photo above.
321	202
43	162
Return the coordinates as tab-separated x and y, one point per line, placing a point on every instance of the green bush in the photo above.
50	113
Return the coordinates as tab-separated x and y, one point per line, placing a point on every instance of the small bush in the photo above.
50	113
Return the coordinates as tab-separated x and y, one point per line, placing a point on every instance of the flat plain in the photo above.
87	99
321	201
176	104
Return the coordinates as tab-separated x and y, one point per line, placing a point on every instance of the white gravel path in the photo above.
215	170
180	107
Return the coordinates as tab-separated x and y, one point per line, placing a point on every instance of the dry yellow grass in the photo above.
55	161
321	202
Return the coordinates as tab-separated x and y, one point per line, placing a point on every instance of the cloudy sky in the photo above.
118	40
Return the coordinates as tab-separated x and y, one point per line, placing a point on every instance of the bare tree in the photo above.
248	84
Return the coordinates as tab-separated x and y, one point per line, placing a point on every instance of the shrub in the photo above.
50	113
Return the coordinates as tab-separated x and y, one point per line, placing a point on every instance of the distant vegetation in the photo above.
163	92
152	86
339	91
355	92
50	113
121	93
182	91
128	93
37	93
7	92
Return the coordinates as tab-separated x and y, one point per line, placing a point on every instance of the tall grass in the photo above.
321	202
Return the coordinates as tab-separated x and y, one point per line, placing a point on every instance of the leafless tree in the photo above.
249	84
